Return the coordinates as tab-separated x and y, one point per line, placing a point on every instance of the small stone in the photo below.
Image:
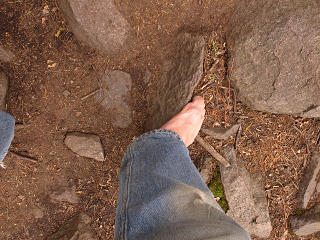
86	145
78	227
6	55
147	76
45	10
66	93
68	195
309	181
37	212
246	196
21	197
114	96
307	223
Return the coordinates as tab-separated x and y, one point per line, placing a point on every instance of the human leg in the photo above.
6	133
162	195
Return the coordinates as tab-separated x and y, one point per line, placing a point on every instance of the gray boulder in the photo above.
115	96
3	89
178	79
98	23
308	185
307	223
246	196
275	55
85	145
6	55
76	228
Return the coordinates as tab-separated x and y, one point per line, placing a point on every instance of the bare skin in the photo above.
188	122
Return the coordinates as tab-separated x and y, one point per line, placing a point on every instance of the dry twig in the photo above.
24	157
305	139
90	94
212	151
237	137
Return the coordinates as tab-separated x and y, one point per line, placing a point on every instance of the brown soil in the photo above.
50	61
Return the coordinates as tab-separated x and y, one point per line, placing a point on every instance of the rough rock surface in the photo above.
76	228
86	145
246	197
306	223
206	171
309	182
6	55
275	55
178	80
3	89
114	96
98	23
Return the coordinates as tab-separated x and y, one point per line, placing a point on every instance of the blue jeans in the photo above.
162	195
6	133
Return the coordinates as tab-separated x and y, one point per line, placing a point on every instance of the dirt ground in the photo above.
54	71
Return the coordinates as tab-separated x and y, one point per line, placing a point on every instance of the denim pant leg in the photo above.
162	195
6	133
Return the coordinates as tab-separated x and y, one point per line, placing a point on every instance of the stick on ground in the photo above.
212	151
91	94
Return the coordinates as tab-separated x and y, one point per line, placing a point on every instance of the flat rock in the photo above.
178	79
115	96
307	223
206	170
76	228
6	55
221	133
308	185
85	145
275	55
37	212
3	89
99	24
67	195
246	196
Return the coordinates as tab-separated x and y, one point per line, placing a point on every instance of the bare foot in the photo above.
188	122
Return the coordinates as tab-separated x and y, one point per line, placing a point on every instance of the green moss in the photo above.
216	188
299	212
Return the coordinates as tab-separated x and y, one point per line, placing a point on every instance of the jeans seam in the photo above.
126	202
165	132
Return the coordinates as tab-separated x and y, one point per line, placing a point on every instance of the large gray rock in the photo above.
76	228
307	223
309	181
3	89
6	55
178	80
275	55
98	23
246	196
86	145
115	96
